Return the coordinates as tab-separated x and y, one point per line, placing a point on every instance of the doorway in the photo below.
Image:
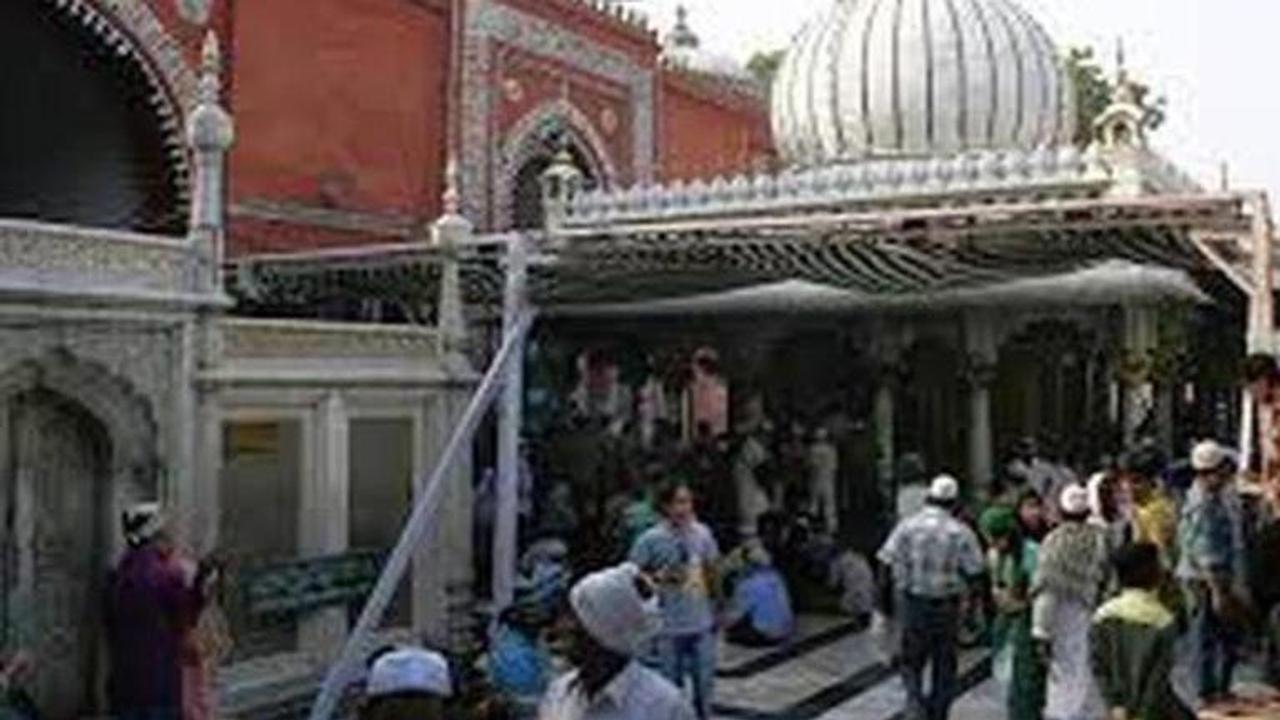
55	459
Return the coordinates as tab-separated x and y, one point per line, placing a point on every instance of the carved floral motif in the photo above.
125	260
489	21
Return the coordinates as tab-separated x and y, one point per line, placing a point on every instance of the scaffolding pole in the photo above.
342	672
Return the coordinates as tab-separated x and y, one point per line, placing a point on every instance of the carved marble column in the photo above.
883	416
510	420
324	523
430	575
980	368
1138	392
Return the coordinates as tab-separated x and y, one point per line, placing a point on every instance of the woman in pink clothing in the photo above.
206	644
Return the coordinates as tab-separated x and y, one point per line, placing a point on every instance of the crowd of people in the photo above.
1087	592
1096	588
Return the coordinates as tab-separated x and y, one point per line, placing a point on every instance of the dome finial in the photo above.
682	36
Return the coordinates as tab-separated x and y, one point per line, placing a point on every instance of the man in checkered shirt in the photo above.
934	557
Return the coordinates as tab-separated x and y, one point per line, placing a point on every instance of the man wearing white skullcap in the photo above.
1210	565
934	559
407	684
615	616
1069	580
151	604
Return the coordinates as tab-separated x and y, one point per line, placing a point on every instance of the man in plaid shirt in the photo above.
934	557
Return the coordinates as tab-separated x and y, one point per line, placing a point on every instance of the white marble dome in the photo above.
886	78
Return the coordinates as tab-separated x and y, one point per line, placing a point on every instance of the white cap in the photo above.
612	610
1074	500
410	671
1208	455
944	488
143	521
756	553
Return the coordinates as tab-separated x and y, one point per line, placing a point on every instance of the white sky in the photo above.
1215	60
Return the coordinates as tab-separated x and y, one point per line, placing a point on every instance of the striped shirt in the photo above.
932	554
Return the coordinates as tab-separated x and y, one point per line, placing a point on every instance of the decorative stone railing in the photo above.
70	259
1062	172
255	339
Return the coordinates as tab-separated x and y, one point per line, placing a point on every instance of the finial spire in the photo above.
1121	70
210	69
452	198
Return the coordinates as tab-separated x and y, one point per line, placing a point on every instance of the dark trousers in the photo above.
1217	638
929	630
745	634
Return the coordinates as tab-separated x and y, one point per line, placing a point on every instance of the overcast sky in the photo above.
1217	61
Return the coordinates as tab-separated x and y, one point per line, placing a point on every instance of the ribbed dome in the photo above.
919	77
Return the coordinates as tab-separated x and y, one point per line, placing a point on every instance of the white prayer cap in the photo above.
756	553
142	521
1208	455
409	671
944	488
1074	500
1094	488
611	608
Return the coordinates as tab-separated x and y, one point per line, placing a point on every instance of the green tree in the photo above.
764	65
1094	91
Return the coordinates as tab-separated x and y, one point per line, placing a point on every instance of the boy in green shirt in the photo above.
1132	641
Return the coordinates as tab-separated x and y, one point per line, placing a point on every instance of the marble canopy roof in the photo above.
925	252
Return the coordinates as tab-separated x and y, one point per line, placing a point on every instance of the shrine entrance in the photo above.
1054	385
56	462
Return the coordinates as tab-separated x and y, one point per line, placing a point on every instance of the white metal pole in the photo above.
507	493
342	671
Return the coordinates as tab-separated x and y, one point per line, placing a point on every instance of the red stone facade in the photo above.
346	111
709	129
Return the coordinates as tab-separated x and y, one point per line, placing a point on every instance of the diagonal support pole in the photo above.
343	670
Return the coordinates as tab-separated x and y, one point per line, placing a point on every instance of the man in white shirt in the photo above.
615	615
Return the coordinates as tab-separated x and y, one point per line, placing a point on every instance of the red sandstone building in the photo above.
348	110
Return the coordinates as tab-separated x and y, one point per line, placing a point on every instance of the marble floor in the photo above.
834	671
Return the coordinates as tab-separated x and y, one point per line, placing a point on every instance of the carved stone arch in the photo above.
123	411
527	142
132	30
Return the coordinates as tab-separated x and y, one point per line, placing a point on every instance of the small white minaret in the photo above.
210	133
561	185
449	232
1120	133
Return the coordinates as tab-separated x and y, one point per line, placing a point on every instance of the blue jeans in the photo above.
929	632
693	656
1217	640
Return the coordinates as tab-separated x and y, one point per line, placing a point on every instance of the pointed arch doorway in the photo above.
56	460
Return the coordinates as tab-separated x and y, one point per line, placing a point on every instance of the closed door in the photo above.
55	462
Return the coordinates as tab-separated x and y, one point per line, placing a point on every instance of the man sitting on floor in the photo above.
760	614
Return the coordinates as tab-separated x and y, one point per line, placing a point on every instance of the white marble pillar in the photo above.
1141	336
980	344
510	419
325	519
458	528
181	492
883	421
209	458
430	576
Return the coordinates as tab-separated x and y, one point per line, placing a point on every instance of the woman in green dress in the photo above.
1011	561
